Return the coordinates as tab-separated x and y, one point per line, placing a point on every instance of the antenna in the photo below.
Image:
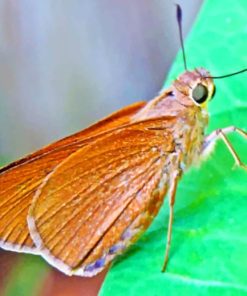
228	75
179	20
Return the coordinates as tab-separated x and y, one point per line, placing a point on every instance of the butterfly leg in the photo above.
172	194
221	133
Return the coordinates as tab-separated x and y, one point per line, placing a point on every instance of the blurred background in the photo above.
66	64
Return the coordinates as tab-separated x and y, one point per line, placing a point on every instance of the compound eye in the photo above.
200	93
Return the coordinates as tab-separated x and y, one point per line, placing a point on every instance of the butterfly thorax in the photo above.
189	119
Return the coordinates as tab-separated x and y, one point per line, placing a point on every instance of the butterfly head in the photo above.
197	86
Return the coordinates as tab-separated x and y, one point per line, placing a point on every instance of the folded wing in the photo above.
97	201
20	180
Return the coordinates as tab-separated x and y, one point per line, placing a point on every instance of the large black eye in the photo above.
200	93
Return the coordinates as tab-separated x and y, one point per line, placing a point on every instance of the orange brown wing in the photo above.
101	197
20	180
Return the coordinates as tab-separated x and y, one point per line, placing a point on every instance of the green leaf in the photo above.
209	245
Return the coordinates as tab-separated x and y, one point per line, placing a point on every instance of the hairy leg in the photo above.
172	195
221	133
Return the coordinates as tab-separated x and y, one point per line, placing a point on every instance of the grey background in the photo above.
64	65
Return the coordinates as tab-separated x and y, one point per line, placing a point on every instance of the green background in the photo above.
209	245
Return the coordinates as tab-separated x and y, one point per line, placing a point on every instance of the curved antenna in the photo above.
227	75
179	20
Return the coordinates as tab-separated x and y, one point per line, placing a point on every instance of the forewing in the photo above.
98	199
20	180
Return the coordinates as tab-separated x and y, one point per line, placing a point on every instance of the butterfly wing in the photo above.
20	180
98	200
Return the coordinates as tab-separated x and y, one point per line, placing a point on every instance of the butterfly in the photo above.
83	200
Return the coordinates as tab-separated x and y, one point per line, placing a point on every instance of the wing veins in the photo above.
84	190
87	173
108	228
13	228
80	210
